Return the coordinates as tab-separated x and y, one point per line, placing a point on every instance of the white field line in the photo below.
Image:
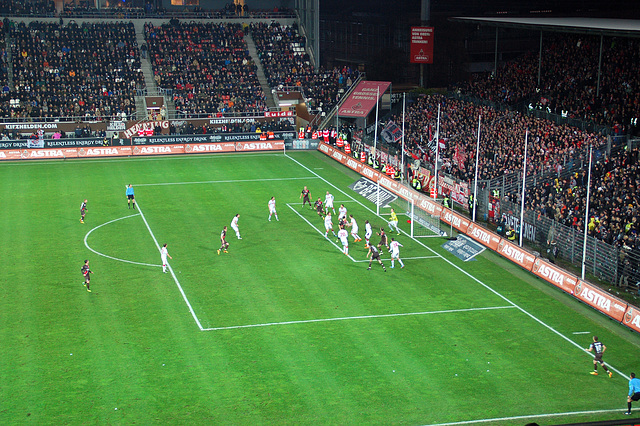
223	181
388	259
184	296
531	416
318	230
86	237
357	317
453	265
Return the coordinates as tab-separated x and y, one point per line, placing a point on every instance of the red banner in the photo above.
601	300
363	98
199	148
483	236
271	145
632	318
516	254
554	275
421	45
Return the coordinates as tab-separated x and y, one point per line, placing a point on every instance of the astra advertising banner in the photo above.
363	98
421	49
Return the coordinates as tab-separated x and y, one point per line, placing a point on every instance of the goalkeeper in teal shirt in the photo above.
634	391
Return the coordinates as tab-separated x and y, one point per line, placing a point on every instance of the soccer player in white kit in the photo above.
342	212
344	238
368	232
234	225
394	249
272	208
328	225
354	229
328	203
164	253
393	223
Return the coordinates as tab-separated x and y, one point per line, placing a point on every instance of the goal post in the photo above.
421	223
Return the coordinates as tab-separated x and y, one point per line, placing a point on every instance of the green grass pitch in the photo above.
283	329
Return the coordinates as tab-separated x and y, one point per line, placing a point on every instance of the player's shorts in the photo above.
635	396
272	209
130	196
375	256
345	242
395	254
328	227
87	278
598	358
393	224
234	227
328	205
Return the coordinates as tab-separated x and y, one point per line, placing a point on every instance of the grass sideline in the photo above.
295	332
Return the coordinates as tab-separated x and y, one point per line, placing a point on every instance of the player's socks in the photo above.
393	264
629	406
134	206
401	264
277	218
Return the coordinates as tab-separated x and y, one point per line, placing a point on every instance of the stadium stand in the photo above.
569	84
89	71
206	67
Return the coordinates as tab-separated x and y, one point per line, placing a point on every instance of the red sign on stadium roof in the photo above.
421	49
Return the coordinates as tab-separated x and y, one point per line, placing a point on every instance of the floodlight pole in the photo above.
475	184
524	181
435	173
586	214
375	153
404	96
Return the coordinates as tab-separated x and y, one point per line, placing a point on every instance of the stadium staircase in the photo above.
253	52
9	51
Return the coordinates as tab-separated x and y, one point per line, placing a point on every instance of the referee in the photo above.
130	197
634	392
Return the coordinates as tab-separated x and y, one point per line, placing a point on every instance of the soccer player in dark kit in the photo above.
83	210
223	241
383	239
305	197
375	255
86	273
319	207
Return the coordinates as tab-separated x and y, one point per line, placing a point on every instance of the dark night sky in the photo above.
593	8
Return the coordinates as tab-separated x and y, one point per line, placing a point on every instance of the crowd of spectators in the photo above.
569	79
89	71
206	66
286	64
27	7
552	147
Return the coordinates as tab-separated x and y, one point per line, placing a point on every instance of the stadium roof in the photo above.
596	26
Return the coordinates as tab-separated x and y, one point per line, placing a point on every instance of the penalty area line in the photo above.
224	181
318	231
531	416
406	314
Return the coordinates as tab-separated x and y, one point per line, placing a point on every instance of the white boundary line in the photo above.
358	317
224	181
86	237
534	318
532	416
184	296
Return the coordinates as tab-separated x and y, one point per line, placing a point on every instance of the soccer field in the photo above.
282	329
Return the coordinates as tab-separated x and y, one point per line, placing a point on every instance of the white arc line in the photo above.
184	296
406	314
111	257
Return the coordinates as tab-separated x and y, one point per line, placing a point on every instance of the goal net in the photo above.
417	222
